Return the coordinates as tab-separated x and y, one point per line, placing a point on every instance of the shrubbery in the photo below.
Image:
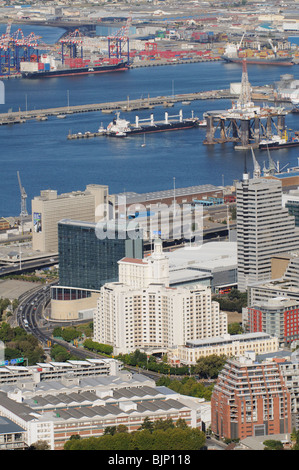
98	347
160	435
139	359
18	343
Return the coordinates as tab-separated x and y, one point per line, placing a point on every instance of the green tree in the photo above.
57	332
181	423
272	444
143	440
147	424
98	347
69	334
210	366
39	445
174	438
111	430
59	353
235	329
121	428
163	424
18	343
15	303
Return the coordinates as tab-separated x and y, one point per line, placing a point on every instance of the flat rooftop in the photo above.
132	197
209	256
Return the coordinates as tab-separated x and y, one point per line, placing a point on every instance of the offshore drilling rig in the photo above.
245	124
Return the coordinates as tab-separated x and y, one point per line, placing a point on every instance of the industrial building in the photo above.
53	410
131	200
58	370
12	436
213	264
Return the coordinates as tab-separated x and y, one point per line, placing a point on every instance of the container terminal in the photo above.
148	36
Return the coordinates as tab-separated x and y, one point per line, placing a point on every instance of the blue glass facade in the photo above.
87	261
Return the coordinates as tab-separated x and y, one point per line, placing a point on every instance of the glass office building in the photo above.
89	252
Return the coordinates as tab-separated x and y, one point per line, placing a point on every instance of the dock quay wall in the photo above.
146	103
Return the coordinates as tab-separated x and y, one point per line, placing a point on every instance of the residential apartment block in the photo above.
250	399
278	316
284	282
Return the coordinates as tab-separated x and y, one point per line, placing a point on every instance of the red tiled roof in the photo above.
132	260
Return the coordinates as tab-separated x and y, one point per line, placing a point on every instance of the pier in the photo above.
22	116
136	104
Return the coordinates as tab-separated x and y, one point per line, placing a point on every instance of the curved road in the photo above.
29	315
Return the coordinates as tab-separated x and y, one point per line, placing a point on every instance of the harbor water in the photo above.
46	159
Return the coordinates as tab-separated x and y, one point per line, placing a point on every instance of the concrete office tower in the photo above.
48	208
264	228
142	312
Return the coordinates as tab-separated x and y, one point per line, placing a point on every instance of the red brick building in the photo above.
276	316
250	399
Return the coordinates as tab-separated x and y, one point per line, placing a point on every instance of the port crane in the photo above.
274	48
74	42
24	212
240	43
15	48
119	40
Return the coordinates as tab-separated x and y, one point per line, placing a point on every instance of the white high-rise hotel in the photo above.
142	312
264	228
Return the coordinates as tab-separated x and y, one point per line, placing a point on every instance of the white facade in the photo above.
150	315
227	345
140	273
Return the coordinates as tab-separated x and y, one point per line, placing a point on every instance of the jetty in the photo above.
21	116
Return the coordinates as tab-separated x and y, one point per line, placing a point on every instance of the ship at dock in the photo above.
234	54
277	142
121	127
78	70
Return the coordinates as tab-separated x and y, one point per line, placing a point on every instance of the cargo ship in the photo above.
276	142
232	54
69	71
121	127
